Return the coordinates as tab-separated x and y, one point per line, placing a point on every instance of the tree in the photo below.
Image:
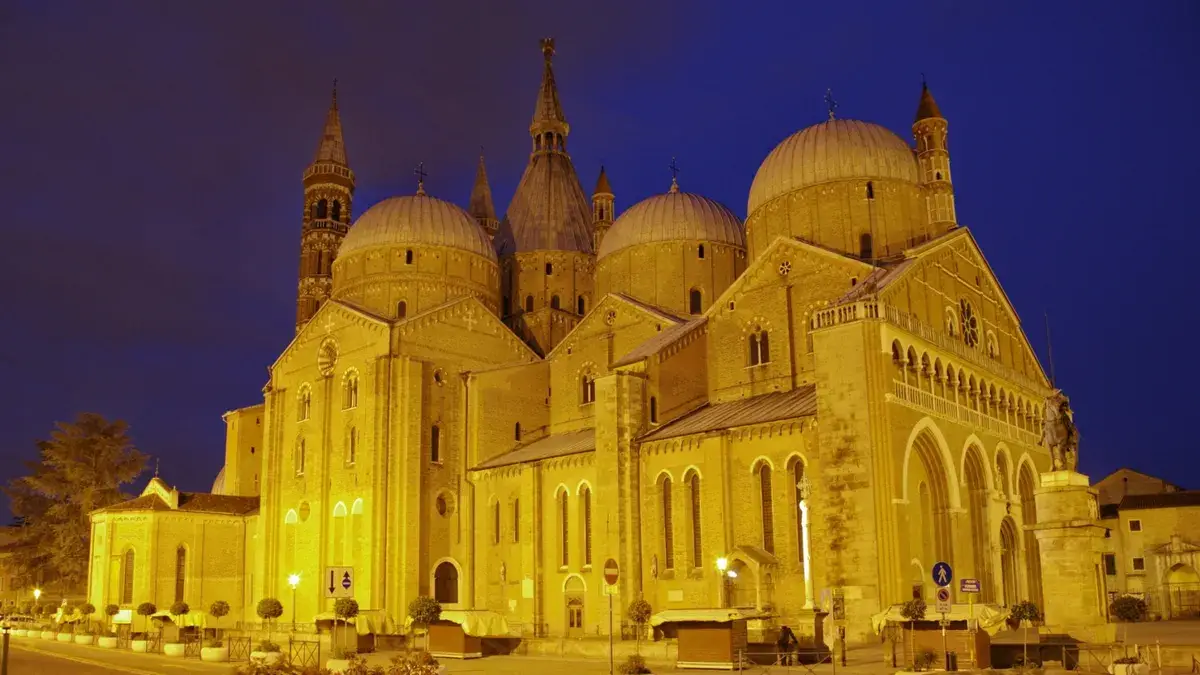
87	609
424	610
269	609
178	611
347	608
81	468
914	611
147	609
639	613
218	610
1025	612
110	611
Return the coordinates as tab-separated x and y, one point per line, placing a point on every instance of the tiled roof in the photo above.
782	405
659	342
658	311
196	502
875	281
143	503
1163	500
557	445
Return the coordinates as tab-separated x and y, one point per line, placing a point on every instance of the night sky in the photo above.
151	153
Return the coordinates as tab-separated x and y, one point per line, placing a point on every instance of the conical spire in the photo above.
332	148
481	196
548	114
602	186
928	107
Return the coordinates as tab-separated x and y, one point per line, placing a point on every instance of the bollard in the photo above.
951	662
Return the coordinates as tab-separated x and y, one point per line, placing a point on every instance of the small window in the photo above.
435	444
694	301
1110	564
529	303
549	269
866	246
507	306
516	524
351	446
700	251
517	431
870	190
337	211
653	410
587	389
322	209
401	309
938	175
759	347
440	505
554	302
1135	525
496	523
1139	564
408	257
580	306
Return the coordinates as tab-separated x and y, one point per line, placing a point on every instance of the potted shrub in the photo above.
412	663
344	609
1129	665
109	639
87	635
1128	609
639	613
266	652
175	647
268	610
215	650
424	610
913	611
142	645
68	612
634	665
1025	613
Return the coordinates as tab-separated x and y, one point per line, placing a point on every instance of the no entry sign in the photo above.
612	572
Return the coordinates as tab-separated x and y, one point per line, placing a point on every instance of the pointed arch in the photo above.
127	575
975	473
445	579
181	560
1026	484
927	426
691	478
1005	478
667	520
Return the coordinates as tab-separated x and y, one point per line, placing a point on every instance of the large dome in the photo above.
674	216
832	151
416	220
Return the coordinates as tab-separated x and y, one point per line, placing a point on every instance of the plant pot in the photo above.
107	642
49	635
337	666
18	632
266	658
1129	668
84	639
66	637
173	649
214	654
139	646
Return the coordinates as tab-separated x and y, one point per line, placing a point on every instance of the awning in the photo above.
189	619
989	618
474	622
366	623
705	616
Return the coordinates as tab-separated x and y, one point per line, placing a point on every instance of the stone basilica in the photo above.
827	397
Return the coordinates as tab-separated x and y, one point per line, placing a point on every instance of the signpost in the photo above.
943	601
970	587
943	574
612	573
338	582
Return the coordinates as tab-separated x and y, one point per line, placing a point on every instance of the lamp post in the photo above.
727	577
293	581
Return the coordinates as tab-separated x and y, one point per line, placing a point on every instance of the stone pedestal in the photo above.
1070	539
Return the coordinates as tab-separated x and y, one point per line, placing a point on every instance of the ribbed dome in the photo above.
830	151
674	216
416	220
218	486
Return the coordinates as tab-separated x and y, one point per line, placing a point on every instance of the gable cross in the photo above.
328	324
830	103
420	174
469	319
803	487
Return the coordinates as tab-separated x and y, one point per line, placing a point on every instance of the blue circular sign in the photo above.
942	573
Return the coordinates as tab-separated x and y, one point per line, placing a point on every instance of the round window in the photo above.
440	504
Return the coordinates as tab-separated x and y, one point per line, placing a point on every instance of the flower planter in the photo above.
139	646
66	637
173	649
107	642
49	635
1129	668
19	632
84	639
266	658
214	654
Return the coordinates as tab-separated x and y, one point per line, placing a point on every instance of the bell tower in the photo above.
602	209
933	157
328	195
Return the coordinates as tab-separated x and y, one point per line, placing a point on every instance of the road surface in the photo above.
32	656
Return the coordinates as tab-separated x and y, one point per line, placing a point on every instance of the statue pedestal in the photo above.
1070	541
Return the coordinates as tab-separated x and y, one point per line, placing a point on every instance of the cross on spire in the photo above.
830	103
156	467
335	92
674	167
420	174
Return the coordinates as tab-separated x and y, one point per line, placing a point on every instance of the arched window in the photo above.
549	269
351	446
337	211
408	257
579	306
768	509
653	410
401	309
322	209
870	190
303	404
585	506
445	583
435	444
759	347
700	251
563	522
697	541
866	247
668	525
529	303
554	304
517	431
350	391
798	478
180	572
516	523
496	522
506	306
298	459
312	210
694	301
587	389
127	578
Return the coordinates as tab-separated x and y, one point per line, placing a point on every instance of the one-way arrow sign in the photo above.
341	582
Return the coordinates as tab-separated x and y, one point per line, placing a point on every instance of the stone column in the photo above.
1071	540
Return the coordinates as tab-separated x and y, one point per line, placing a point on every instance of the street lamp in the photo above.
293	581
37	594
726	576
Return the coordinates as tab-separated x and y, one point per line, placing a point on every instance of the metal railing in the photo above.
798	661
304	653
930	402
239	648
191	647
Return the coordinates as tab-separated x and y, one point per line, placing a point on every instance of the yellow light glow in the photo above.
37	594
732	574
722	564
294	580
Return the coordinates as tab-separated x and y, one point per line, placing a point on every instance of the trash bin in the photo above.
951	662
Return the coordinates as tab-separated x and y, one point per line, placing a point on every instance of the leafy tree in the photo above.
219	610
81	468
269	609
87	609
913	611
639	612
110	611
424	610
147	609
347	608
1025	612
1128	608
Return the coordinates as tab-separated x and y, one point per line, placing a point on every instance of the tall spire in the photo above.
927	108
332	148
602	185
481	206
548	113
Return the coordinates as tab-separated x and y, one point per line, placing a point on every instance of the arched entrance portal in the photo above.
928	484
445	583
1033	559
1183	591
1008	561
977	494
573	594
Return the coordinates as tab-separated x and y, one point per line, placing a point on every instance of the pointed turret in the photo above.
602	209
548	115
328	194
481	206
930	130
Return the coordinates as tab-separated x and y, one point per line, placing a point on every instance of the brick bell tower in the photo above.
328	195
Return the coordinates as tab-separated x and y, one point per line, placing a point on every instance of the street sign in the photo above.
943	600
612	589
612	572
338	582
942	574
969	585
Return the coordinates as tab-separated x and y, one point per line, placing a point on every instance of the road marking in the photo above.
101	664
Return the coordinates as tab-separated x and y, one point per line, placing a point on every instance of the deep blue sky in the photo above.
150	157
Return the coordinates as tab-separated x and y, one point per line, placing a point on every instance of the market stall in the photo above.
707	638
968	633
459	633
